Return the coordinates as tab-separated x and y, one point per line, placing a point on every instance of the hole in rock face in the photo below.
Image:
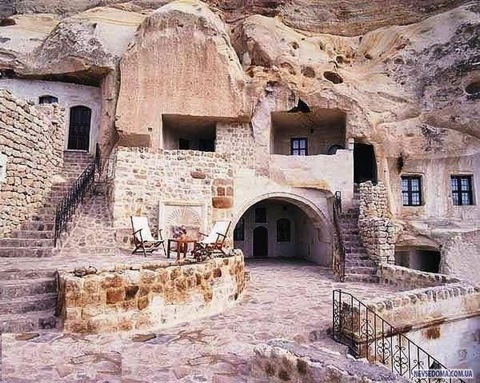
333	77
308	72
473	88
7	21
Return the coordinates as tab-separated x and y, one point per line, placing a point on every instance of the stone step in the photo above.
32	234
361	278
360	270
30	252
25	242
29	274
26	322
37	226
29	304
11	289
359	263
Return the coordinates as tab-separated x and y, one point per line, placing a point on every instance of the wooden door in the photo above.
79	128
260	242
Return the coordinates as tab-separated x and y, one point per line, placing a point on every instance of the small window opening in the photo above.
299	146
47	99
283	230
411	190
462	190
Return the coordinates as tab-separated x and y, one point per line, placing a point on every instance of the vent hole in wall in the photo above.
333	77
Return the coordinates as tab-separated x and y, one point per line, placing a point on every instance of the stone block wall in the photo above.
32	140
376	228
406	278
151	296
423	307
145	177
238	141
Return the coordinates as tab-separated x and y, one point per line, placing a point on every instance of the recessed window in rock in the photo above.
462	190
333	77
239	231
47	99
418	258
283	230
307	133
411	190
260	215
189	133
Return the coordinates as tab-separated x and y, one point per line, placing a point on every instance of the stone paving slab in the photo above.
283	300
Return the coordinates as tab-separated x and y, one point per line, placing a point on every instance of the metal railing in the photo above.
339	262
67	206
369	336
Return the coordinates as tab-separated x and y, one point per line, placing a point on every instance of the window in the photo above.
239	231
298	147
260	215
283	230
206	145
411	190
47	99
462	190
183	144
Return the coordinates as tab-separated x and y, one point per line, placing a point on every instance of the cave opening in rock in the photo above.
333	77
297	132
418	258
364	163
189	133
473	88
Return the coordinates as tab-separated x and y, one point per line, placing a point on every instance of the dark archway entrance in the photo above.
364	163
79	128
260	242
418	258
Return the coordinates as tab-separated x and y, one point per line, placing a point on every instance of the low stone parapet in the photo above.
284	361
407	278
150	296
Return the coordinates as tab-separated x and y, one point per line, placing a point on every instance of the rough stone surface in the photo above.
32	140
149	298
215	349
376	227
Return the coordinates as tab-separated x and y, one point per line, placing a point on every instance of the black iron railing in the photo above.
339	260
67	206
369	336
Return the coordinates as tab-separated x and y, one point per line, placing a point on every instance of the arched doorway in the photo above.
79	128
260	242
288	225
364	163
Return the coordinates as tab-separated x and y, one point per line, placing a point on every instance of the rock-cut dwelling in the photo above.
256	122
203	116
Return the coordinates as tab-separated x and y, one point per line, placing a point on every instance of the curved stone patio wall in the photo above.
149	297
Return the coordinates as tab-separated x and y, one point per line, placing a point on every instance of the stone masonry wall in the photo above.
149	296
144	177
376	228
422	307
236	140
32	140
406	278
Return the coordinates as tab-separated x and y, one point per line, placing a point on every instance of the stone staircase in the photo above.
27	300
28	297
35	237
358	266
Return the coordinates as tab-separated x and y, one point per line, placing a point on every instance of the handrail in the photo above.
369	336
67	206
339	267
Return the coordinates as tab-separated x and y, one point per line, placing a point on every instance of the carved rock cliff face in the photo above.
349	17
181	62
411	89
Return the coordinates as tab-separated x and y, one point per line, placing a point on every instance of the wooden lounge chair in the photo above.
212	242
142	237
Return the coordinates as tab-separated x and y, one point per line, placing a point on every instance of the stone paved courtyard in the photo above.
283	300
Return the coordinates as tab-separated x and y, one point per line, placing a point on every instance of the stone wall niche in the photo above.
188	133
323	129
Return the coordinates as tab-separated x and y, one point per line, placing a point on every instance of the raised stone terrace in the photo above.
288	300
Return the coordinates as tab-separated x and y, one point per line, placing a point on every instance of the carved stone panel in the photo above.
191	215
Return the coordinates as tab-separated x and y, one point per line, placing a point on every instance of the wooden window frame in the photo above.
409	191
300	151
456	183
